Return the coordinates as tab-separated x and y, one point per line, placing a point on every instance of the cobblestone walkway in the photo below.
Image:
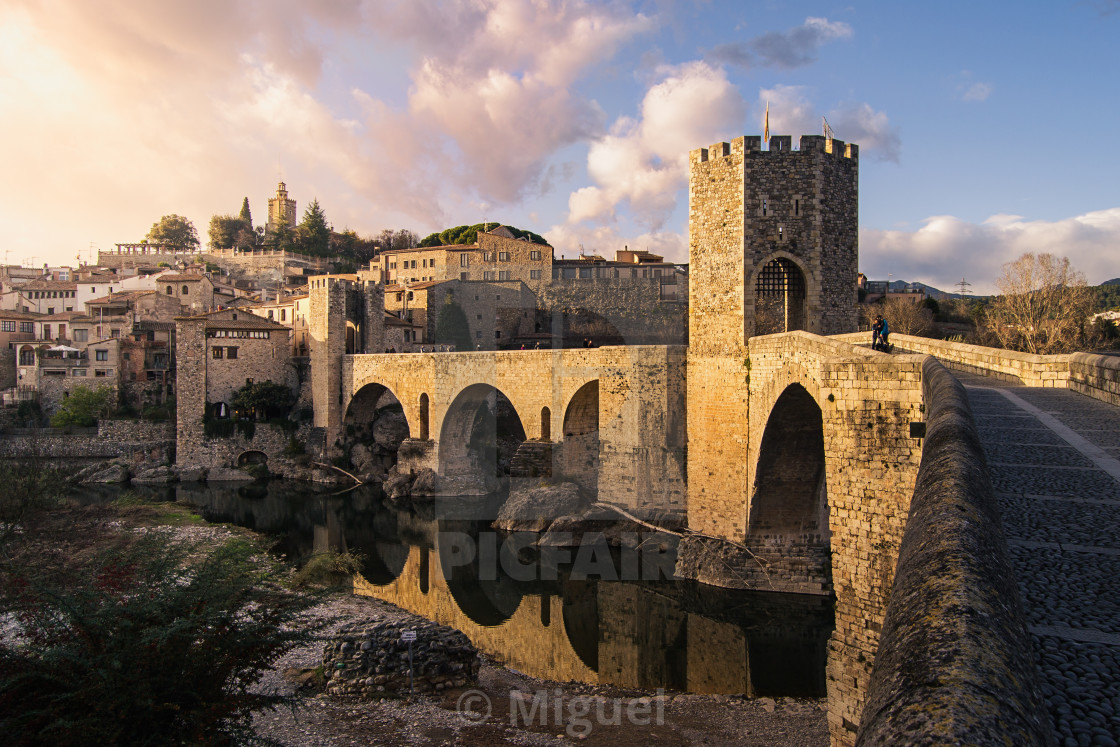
1054	457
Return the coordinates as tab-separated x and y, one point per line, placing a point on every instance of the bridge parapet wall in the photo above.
1096	376
1005	365
954	665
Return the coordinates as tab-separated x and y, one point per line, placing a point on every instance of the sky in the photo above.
983	127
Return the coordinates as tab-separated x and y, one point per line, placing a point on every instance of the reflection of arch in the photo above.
424	417
486	601
779	297
252	457
480	433
425	570
581	437
789	497
581	620
546	424
386	563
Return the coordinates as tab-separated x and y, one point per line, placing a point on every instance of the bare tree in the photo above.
907	316
1043	306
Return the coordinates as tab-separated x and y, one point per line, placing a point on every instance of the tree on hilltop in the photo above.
313	233
225	231
349	245
390	240
175	230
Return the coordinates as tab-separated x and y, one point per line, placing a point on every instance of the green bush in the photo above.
328	569
150	643
82	407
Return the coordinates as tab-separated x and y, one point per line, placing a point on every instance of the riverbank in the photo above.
522	710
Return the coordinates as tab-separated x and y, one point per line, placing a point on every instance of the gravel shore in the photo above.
500	709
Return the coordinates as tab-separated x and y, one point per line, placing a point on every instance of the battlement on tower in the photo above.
779	145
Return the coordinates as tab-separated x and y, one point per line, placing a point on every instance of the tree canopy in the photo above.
227	231
175	230
469	235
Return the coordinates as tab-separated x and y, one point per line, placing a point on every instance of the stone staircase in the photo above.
532	459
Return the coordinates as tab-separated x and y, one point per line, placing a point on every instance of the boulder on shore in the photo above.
114	473
161	475
533	510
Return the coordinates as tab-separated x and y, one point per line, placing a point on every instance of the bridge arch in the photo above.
781	289
580	448
251	456
375	419
479	434
789	497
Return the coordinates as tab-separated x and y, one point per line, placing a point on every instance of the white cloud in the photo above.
945	248
501	87
791	113
643	163
870	129
977	92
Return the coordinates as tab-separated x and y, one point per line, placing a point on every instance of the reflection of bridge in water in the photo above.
675	635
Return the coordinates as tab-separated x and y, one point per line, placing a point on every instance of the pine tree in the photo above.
245	215
314	233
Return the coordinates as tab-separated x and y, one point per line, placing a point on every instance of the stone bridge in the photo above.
615	414
803	450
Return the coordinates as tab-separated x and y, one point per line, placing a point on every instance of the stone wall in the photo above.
370	660
257	359
135	441
136	430
211	453
954	664
1005	365
1097	376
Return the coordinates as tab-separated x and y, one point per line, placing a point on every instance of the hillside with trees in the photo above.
469	235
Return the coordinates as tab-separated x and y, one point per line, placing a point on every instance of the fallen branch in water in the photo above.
340	469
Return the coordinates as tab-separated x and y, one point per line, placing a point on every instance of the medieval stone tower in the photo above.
773	246
281	208
773	239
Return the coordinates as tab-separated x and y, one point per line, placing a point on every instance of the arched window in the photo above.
170	291
185	290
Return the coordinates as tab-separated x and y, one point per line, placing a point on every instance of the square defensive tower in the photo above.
773	240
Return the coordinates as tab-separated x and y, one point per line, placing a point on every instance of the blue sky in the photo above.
985	128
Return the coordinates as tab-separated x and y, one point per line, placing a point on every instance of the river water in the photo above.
591	613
